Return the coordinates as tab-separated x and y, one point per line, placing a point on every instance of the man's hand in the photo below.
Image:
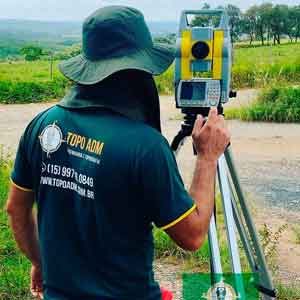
212	138
36	285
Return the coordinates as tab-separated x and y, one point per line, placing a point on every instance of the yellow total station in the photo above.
210	51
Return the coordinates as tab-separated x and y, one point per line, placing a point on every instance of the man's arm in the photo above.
210	142
23	223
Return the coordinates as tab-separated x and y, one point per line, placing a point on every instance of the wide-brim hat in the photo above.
116	38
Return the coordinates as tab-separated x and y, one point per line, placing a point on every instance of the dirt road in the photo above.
267	156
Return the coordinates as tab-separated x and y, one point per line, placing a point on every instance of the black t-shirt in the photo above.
100	181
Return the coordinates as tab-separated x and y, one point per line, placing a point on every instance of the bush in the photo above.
165	82
274	104
31	91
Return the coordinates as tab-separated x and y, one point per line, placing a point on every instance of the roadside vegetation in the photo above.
32	81
258	67
274	104
29	82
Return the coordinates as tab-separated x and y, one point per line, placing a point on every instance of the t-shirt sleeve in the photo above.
167	200
21	175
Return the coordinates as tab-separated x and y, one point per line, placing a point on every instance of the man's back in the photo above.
94	192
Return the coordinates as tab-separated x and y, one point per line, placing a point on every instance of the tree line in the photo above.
266	22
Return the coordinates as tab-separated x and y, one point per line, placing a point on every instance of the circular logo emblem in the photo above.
51	138
221	291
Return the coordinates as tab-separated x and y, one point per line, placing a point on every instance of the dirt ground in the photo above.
267	156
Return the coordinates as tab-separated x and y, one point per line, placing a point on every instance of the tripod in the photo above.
236	216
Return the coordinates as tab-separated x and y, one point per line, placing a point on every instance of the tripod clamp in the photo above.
187	126
185	131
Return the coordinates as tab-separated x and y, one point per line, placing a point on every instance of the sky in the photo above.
77	10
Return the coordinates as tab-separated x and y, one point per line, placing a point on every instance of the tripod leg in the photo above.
265	283
243	234
215	256
230	227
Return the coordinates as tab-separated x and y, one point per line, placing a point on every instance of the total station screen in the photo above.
193	91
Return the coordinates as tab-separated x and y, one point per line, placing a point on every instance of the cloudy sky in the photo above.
59	10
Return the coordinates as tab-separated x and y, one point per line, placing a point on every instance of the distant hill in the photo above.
45	30
14	34
31	31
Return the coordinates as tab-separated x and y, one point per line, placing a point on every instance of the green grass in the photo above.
279	54
165	82
274	104
259	66
25	82
22	82
288	292
236	113
296	233
28	71
14	268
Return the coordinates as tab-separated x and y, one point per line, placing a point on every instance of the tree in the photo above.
290	23
266	15
297	27
32	52
277	22
247	28
249	22
263	20
235	20
205	6
206	20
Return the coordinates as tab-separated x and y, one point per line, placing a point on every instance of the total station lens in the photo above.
200	50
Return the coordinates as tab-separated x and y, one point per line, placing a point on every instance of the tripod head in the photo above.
187	126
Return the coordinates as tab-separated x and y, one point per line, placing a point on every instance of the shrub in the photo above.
277	104
31	91
165	82
274	104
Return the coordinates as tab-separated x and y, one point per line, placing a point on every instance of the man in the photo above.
101	173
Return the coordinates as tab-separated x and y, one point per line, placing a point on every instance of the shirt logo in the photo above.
51	138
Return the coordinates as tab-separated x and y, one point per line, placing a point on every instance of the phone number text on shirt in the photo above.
68	173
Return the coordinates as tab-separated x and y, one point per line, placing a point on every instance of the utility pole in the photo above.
51	65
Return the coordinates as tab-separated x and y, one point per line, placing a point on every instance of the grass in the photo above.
258	66
14	268
274	104
296	233
22	82
25	82
288	292
28	71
